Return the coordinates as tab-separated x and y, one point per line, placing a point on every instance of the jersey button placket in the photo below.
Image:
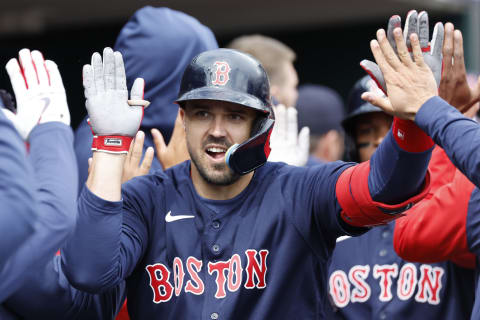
214	316
216	248
216	224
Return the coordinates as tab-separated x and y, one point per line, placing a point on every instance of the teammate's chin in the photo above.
214	173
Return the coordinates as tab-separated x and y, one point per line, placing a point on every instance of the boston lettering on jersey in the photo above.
163	289
354	287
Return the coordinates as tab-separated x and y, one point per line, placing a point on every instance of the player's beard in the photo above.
218	174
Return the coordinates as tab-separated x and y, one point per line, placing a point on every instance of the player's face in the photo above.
370	129
286	91
211	128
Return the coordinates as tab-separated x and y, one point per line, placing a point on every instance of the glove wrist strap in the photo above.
111	144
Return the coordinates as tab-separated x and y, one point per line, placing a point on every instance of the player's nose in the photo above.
218	127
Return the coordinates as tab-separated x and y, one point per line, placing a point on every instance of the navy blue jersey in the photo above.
262	255
368	280
203	260
17	201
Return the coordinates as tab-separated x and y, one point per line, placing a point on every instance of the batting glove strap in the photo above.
410	137
111	144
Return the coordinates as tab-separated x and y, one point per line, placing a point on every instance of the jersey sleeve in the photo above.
376	192
314	208
17	202
434	230
55	181
113	234
48	295
473	223
457	135
442	171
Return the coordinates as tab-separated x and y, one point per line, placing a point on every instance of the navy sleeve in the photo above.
396	174
47	294
17	203
51	155
83	151
113	234
473	222
456	134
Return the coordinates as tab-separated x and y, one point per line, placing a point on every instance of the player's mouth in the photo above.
216	153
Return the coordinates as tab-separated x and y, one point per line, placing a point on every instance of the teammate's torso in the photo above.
244	258
368	280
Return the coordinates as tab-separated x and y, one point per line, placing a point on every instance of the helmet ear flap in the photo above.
253	153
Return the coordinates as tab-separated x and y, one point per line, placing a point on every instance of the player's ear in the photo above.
182	116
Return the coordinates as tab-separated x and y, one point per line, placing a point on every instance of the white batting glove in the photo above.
286	143
39	92
432	51
114	119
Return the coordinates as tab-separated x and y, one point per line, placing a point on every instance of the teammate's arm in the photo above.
42	118
48	295
101	234
17	202
434	230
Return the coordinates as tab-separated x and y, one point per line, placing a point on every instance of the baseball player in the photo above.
17	194
41	118
224	235
455	133
444	226
367	279
142	41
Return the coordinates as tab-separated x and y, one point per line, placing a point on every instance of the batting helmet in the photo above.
232	76
356	107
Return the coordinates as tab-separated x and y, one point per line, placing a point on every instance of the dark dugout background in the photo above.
329	55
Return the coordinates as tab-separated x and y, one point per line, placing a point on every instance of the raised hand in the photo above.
132	167
113	119
454	87
409	83
432	51
176	151
286	143
39	92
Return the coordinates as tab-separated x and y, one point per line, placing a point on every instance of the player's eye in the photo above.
201	114
235	117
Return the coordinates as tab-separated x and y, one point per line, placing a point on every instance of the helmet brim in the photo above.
224	94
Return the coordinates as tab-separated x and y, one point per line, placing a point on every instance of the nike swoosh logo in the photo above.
47	103
170	218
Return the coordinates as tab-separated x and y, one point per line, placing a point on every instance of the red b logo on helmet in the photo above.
221	75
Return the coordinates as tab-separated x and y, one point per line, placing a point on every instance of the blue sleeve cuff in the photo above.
431	111
43	128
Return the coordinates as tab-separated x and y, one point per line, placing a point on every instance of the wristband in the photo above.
111	144
410	137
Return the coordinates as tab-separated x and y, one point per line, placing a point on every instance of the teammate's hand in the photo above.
114	119
454	87
286	143
176	151
132	167
432	51
39	91
410	83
